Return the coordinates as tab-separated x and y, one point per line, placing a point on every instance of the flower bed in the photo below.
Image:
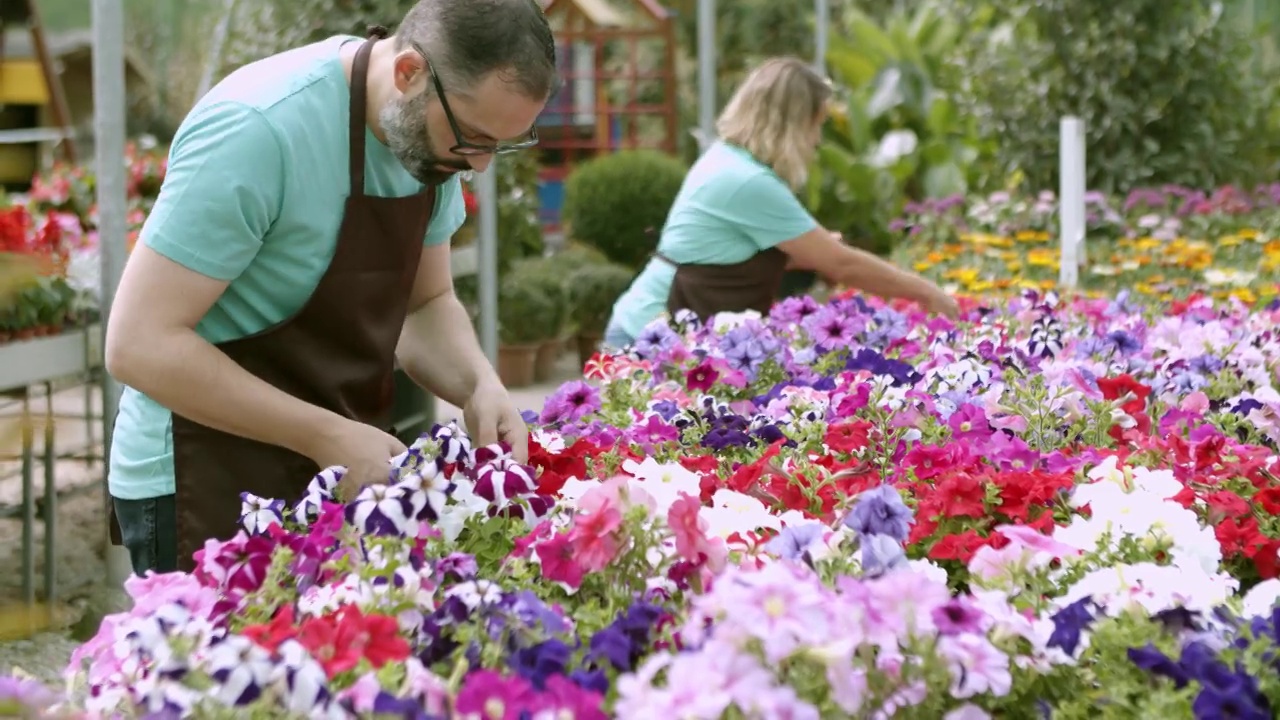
845	510
1161	243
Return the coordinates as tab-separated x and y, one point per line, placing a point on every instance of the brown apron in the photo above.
337	352
709	289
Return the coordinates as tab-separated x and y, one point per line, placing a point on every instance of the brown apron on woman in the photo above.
337	352
709	289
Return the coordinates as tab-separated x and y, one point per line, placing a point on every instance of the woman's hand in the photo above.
941	303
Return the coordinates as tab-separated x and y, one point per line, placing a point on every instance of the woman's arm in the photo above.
824	252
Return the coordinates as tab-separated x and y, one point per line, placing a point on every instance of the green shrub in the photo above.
524	309
545	275
593	289
618	203
1169	90
519	228
895	133
575	255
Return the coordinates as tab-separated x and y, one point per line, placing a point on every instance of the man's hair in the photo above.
466	40
773	113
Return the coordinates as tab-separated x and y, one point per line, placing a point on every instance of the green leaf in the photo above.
942	118
850	67
865	34
944	180
888	92
936	152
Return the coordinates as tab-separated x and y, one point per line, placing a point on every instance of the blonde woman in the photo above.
736	226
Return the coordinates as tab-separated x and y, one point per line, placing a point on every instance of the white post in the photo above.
108	143
487	259
821	21
706	71
1071	210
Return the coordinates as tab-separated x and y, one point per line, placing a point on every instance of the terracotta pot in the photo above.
588	345
5	336
516	364
544	366
24	333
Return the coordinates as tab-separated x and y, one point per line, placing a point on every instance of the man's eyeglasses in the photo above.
466	147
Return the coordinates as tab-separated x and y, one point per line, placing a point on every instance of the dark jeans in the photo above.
149	529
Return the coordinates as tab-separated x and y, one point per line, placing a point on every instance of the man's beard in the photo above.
404	120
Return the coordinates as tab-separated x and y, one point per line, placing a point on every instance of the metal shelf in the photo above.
24	363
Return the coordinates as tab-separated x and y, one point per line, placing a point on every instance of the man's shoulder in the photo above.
288	88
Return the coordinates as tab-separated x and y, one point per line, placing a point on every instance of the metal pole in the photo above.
821	23
487	259
109	141
707	71
1071	211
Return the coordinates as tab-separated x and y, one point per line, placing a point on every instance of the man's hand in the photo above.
364	450
491	417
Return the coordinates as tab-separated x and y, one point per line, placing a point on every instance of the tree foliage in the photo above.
1166	88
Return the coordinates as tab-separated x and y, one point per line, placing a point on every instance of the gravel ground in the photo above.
80	529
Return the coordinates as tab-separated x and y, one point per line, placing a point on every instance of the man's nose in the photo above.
479	163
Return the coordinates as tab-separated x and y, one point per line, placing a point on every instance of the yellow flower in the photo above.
1042	257
963	275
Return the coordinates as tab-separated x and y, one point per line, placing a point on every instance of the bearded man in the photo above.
298	248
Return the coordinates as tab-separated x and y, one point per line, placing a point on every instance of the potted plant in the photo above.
618	203
572	256
593	289
523	310
546	274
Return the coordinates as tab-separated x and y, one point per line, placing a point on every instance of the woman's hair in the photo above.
772	115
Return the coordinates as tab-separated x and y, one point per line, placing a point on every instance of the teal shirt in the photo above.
254	193
730	207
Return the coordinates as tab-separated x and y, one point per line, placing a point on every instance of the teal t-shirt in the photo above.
254	193
730	207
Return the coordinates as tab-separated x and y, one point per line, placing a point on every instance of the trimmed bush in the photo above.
618	203
545	275
593	289
524	308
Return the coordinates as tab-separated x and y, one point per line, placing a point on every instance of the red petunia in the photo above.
340	640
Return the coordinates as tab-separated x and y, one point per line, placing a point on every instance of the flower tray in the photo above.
36	360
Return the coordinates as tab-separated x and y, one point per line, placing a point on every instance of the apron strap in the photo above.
357	111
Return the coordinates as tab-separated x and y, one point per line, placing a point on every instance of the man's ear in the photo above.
408	66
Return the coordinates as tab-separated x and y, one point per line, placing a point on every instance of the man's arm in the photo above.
220	195
438	347
152	347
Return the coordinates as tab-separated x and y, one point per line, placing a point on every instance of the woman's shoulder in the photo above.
726	169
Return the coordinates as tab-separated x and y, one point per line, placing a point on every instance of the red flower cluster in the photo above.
469	202
337	640
960	496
